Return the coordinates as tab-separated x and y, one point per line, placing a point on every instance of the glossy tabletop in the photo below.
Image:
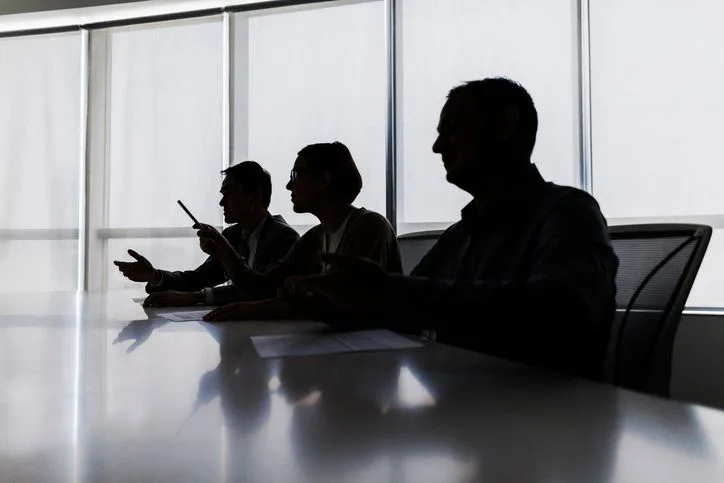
94	388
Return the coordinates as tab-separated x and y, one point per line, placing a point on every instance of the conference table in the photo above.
97	388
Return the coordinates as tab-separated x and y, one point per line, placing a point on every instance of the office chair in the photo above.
657	267
414	246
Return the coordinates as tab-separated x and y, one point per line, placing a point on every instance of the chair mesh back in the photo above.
638	257
656	271
414	246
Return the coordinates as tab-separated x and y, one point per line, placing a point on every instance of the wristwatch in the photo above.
207	295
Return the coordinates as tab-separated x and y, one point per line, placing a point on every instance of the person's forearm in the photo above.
429	304
272	309
227	294
160	281
256	285
306	307
234	265
208	274
156	277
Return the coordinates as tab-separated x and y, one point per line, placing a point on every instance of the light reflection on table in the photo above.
97	389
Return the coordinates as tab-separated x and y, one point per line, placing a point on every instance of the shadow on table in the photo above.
139	331
433	414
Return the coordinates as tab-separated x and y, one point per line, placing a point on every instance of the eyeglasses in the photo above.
296	172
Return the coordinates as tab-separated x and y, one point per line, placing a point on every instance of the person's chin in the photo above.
452	175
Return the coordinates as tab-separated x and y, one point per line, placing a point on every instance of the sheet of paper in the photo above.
329	343
188	316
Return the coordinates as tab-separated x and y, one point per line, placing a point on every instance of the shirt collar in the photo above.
517	198
255	234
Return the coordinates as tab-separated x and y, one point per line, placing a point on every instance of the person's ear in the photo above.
507	125
326	179
255	199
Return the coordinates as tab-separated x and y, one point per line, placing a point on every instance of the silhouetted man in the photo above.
258	237
528	272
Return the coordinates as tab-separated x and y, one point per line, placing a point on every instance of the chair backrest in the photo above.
414	246
657	267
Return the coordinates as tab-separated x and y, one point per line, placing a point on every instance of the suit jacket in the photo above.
276	238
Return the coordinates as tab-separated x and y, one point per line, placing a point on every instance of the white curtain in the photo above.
657	110
313	76
448	42
39	162
165	137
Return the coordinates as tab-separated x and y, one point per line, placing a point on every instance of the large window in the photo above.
313	75
40	146
165	138
657	106
166	113
447	42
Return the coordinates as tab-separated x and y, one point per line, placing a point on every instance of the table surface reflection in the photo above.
97	389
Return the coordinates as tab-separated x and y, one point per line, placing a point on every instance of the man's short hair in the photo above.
493	96
346	182
251	177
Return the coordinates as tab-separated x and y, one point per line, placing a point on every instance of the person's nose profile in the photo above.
436	146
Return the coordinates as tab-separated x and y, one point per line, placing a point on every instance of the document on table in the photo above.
188	316
329	343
